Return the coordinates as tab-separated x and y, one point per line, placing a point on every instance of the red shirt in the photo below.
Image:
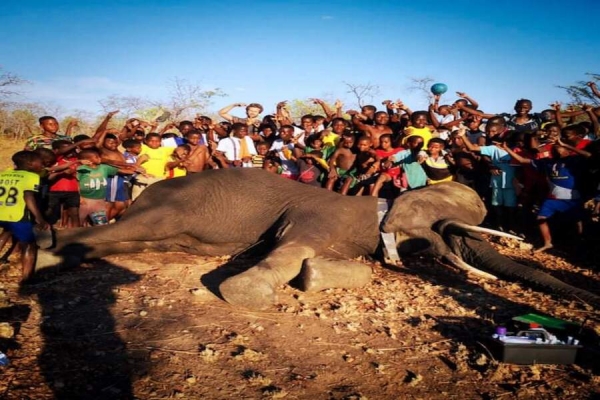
66	182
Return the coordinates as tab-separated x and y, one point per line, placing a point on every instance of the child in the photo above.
258	160
418	127
93	183
564	172
384	152
366	165
197	157
436	162
409	159
18	205
64	188
176	166
153	158
341	162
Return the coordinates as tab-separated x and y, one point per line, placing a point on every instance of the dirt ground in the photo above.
150	326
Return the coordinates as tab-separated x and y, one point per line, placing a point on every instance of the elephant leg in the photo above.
256	287
322	273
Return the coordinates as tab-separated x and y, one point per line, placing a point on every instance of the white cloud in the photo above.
326	17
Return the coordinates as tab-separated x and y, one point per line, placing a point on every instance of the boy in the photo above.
18	204
373	131
239	148
93	183
409	158
418	127
436	162
342	161
153	158
197	159
565	172
285	147
366	165
49	126
504	196
176	166
64	188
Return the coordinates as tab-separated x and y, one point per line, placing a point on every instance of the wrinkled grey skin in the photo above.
311	230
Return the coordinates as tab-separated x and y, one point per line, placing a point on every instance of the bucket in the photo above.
99	218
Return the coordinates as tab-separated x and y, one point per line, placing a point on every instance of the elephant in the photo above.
312	234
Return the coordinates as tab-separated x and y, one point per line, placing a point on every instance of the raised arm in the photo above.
472	111
433	115
592	115
72	123
329	113
224	112
357	119
558	116
468	98
462	132
282	114
519	158
594	88
102	127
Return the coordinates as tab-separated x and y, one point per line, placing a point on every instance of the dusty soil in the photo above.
150	326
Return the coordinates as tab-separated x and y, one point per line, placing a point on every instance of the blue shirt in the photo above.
415	175
500	159
564	175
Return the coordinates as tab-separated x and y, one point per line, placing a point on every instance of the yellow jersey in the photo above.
13	185
157	161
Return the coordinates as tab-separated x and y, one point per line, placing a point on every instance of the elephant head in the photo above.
445	217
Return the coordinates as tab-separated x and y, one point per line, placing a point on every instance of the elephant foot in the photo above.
320	273
249	290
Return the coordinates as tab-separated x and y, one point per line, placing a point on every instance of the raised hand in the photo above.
556	106
338	104
317	101
240	105
112	113
282	104
461	94
591	84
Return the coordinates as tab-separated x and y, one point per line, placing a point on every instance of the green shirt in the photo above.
93	181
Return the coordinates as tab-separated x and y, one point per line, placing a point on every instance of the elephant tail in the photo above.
476	251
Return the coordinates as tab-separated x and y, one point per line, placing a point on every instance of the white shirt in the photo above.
231	146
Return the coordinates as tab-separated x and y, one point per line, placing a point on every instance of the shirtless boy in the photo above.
373	131
342	161
197	160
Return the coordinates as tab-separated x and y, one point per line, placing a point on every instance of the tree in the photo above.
184	100
422	86
580	92
8	84
364	93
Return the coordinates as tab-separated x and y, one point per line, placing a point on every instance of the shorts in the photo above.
504	197
573	208
67	199
116	190
91	206
22	231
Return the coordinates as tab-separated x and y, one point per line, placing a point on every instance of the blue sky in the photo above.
76	53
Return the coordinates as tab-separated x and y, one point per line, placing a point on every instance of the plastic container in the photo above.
533	346
534	353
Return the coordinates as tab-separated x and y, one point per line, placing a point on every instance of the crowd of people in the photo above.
527	167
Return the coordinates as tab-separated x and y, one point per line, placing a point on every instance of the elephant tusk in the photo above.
461	264
480	229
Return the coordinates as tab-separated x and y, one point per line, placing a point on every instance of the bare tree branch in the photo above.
422	87
8	84
363	92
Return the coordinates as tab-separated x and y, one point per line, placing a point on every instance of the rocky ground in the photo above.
149	326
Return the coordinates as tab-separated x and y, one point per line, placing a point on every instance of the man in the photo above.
252	120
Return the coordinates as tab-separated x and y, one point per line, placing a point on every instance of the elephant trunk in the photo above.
476	251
